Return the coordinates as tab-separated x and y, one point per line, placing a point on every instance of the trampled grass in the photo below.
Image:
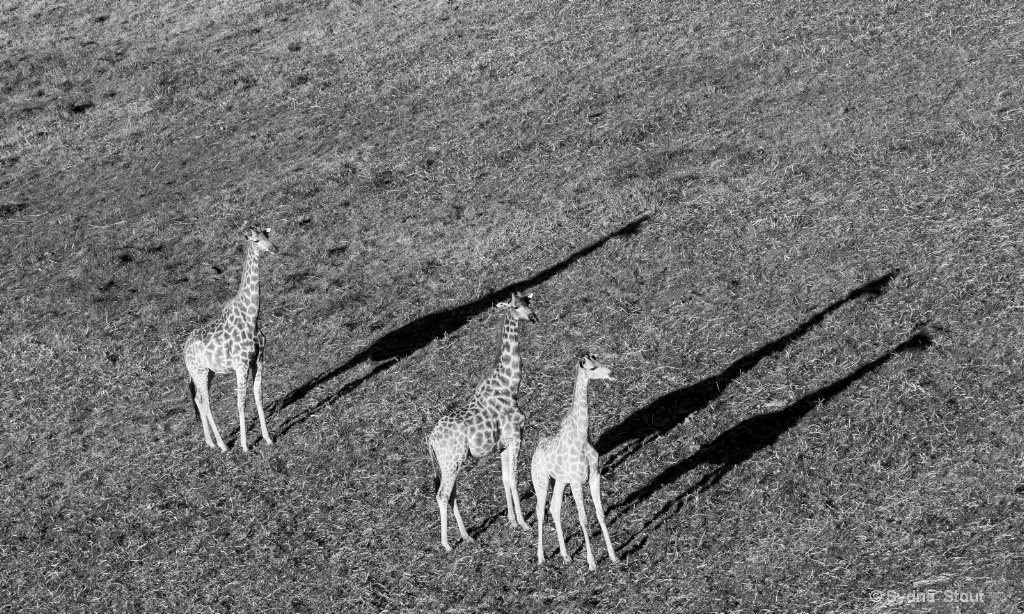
791	230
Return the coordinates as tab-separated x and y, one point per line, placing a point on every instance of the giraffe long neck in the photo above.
248	298
577	423
509	369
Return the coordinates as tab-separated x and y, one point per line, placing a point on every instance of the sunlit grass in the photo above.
768	446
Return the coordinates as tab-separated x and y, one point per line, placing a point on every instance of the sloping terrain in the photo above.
791	230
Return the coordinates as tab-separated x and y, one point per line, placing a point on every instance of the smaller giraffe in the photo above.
569	458
492	421
232	342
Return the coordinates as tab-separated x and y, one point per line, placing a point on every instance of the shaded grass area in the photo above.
752	212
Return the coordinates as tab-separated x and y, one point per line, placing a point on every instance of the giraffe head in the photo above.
593	369
260	238
519	304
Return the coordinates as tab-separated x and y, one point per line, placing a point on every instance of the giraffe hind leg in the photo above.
458	518
258	394
577	494
201	381
241	377
192	397
449	460
556	515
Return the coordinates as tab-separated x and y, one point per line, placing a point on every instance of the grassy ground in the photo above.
791	229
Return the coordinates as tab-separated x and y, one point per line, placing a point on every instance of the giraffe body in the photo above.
568	458
232	343
492	422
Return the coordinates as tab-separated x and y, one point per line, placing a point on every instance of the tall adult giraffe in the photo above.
492	421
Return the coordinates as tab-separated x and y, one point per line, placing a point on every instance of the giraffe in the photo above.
492	421
569	458
232	342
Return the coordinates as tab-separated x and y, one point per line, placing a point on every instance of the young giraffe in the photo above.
569	458
492	420
232	342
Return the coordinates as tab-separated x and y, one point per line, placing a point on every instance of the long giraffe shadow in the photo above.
403	341
741	442
665	413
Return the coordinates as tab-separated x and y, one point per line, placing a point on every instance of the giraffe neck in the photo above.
577	424
509	370
248	297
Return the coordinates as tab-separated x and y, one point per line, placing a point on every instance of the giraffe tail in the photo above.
192	397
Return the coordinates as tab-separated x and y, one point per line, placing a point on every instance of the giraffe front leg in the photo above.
595	494
556	515
505	487
241	374
509	459
258	395
577	494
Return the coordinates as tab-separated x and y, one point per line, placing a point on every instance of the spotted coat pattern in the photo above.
232	343
569	458
492	421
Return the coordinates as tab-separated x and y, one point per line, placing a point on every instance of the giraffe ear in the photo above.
503	305
266	231
529	296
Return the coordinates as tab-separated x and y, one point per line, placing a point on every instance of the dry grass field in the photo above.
791	229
